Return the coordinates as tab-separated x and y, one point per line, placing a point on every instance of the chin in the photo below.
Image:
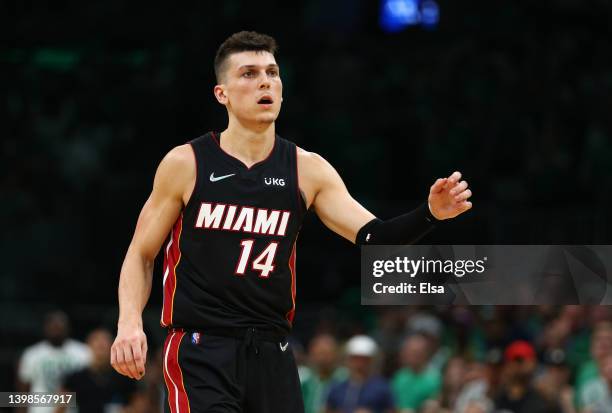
266	118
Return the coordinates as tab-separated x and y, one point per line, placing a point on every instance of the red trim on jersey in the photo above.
291	313
300	199
195	184
173	376
171	261
218	142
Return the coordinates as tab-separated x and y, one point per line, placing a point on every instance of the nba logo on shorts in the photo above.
195	338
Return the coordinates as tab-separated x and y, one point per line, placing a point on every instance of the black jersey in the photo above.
230	258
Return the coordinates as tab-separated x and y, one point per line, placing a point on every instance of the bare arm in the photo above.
326	192
172	186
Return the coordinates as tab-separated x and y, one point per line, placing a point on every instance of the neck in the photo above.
325	373
358	377
250	145
516	390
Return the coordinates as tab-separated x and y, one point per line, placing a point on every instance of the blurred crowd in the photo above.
466	360
456	359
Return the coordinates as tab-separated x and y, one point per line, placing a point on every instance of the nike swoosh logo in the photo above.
283	348
214	178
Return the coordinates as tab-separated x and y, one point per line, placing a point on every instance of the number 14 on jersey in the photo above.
264	262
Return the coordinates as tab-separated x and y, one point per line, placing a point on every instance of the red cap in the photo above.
519	349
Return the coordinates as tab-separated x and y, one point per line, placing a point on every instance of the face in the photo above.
601	343
454	373
251	88
359	365
414	353
56	329
520	369
606	368
100	343
323	352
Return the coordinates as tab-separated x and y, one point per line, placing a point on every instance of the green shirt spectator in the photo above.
411	389
315	388
415	382
322	373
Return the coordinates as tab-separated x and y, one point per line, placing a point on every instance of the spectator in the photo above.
517	393
553	383
597	394
43	365
98	387
416	381
480	382
601	347
323	372
363	391
454	374
451	385
431	328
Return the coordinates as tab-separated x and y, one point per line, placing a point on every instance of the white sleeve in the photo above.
82	355
25	371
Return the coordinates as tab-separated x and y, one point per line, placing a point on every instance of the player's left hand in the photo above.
448	197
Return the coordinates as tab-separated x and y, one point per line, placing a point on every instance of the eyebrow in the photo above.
271	65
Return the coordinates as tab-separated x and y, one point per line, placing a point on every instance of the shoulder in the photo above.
400	374
36	350
177	169
179	157
309	159
593	386
314	167
305	374
76	346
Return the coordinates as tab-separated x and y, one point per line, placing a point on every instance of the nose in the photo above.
265	83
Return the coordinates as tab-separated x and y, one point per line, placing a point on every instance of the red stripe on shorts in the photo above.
173	376
171	261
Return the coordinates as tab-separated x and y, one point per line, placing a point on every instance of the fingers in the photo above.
466	205
118	357
461	186
139	360
460	192
438	186
130	365
145	348
453	179
463	195
128	357
113	359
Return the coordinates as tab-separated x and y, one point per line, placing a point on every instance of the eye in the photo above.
273	72
248	73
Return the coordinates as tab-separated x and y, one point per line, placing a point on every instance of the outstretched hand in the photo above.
448	197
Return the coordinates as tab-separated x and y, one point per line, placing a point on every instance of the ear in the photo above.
219	92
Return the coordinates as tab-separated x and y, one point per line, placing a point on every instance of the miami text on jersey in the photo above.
242	218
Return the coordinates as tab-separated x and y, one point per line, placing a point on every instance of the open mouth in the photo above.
265	100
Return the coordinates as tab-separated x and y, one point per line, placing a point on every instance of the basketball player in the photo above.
232	204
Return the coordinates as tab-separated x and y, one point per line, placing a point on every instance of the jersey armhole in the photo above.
195	183
300	199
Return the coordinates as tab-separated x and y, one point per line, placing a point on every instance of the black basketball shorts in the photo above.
243	371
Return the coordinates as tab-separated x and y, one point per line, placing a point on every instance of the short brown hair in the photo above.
242	42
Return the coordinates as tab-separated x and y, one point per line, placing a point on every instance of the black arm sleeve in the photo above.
404	229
